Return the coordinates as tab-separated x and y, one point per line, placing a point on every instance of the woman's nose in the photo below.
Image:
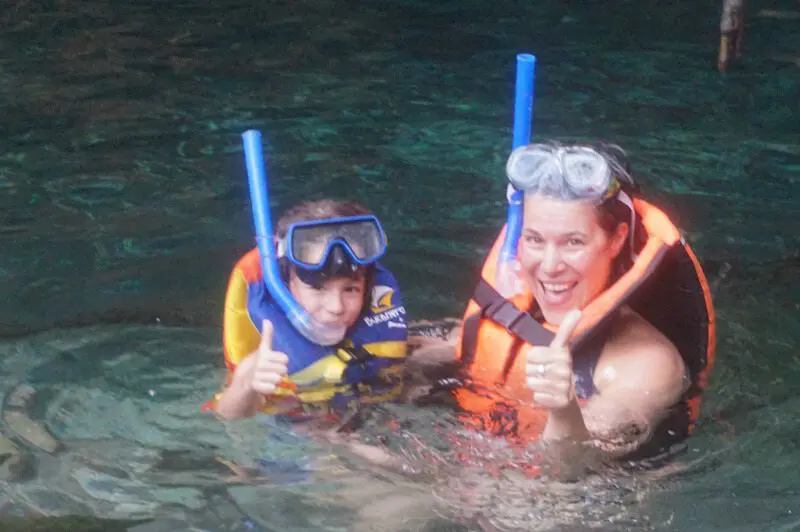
552	262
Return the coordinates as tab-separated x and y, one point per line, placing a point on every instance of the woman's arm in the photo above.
639	378
432	357
637	385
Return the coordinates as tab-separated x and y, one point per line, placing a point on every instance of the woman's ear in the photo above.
618	238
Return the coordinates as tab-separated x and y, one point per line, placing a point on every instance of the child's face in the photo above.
338	300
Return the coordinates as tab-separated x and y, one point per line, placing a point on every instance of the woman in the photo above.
328	255
608	334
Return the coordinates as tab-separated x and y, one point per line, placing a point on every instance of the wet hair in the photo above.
321	210
612	212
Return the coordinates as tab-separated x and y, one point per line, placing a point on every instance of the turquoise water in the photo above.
124	205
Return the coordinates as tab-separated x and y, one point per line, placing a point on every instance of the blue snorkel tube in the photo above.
523	118
314	331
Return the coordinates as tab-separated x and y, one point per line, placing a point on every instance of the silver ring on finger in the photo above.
540	369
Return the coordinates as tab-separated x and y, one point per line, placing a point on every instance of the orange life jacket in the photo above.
665	285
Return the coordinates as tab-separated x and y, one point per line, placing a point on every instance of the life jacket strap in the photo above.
361	366
495	307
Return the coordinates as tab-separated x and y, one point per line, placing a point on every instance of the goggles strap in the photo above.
628	202
510	192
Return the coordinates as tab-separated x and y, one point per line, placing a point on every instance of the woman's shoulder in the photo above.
637	350
630	329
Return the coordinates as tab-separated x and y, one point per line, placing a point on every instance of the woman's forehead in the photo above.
554	215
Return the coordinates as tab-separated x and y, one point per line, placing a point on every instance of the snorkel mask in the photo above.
318	248
597	174
333	247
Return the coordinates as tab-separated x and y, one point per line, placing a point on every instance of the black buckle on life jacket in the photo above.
495	307
505	313
354	355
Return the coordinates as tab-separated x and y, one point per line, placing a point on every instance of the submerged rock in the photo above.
18	420
14	463
34	432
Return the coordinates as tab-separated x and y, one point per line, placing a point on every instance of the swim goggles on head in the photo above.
574	173
566	172
334	246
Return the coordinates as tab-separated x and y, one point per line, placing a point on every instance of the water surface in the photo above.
124	205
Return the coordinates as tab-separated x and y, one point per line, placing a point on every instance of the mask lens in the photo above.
364	239
311	243
586	171
529	168
567	173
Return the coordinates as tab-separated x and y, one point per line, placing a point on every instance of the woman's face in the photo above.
566	256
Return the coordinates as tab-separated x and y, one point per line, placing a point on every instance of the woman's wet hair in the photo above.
613	212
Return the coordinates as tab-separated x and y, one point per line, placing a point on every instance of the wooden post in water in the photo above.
731	31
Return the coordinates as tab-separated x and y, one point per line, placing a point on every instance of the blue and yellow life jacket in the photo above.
368	365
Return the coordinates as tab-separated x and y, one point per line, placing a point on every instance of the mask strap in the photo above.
628	202
510	195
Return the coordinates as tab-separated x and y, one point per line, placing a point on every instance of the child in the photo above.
328	255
